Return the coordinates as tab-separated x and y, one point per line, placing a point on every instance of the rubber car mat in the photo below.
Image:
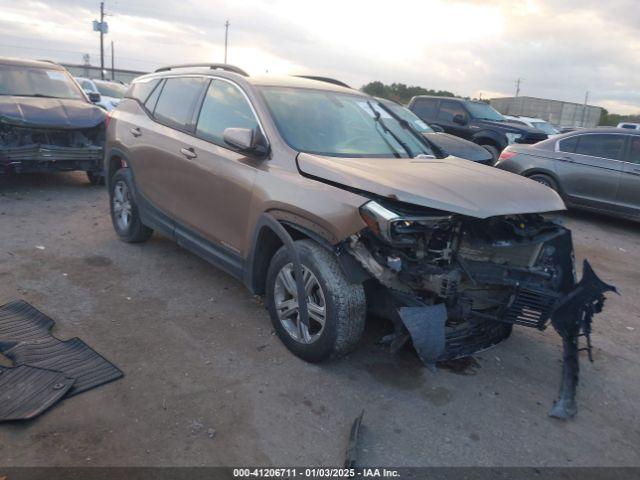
26	392
21	321
25	338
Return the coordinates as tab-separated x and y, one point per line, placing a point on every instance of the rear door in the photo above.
590	167
158	164
629	192
218	179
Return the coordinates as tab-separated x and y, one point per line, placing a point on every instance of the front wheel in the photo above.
337	308
124	211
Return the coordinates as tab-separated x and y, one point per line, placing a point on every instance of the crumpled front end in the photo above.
26	149
459	284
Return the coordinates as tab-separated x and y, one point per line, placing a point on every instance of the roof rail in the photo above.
324	79
212	66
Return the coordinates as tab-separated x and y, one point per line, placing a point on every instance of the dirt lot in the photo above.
207	383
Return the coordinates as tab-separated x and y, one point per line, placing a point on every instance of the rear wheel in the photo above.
495	153
337	308
124	211
545	180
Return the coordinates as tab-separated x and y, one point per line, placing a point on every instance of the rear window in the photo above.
177	101
568	145
142	89
425	108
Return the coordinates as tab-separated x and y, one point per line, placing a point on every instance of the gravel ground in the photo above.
207	383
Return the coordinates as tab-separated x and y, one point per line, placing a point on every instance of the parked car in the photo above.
533	122
594	169
478	122
629	126
110	93
47	123
443	143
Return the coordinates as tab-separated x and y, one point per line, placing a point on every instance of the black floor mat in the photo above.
25	338
20	321
26	392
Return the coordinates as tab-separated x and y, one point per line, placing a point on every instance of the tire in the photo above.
545	180
95	178
495	153
344	304
122	204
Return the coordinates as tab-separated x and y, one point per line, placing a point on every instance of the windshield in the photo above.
37	82
109	89
545	127
483	111
339	125
407	115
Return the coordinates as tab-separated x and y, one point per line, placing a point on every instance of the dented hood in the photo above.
449	184
41	112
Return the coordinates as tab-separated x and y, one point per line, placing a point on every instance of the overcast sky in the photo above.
560	48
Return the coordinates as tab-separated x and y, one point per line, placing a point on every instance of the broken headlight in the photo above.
390	225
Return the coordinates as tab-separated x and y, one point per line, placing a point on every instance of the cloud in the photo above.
560	48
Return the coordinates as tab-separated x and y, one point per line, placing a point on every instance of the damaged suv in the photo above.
328	203
47	123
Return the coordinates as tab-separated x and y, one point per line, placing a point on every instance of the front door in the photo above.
590	167
216	178
446	113
629	192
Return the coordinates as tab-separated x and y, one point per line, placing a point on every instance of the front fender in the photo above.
480	137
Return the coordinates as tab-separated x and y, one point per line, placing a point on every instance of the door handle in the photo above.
188	152
135	132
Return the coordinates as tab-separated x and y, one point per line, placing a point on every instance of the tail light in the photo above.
107	120
506	155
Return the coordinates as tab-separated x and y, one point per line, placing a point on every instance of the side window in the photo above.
449	109
425	108
568	145
605	146
151	102
224	106
140	90
177	101
634	149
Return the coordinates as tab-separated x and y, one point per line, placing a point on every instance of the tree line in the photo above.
399	92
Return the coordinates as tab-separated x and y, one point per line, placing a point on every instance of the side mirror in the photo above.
436	128
459	119
246	140
93	97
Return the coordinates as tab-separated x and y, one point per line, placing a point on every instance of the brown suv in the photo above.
330	204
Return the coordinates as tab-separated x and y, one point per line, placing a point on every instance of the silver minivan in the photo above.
597	169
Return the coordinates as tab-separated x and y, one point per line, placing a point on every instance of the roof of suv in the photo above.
31	63
260	80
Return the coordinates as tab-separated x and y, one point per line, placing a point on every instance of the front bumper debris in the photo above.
482	277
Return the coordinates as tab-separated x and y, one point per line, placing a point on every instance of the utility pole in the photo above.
226	37
113	70
518	81
101	40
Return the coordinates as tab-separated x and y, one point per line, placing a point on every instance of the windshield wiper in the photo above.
407	126
378	118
